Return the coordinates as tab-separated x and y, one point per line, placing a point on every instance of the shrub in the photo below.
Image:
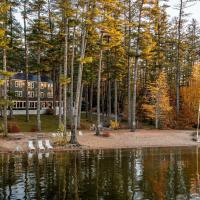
13	128
49	111
34	129
114	124
61	128
1	128
106	134
85	125
61	142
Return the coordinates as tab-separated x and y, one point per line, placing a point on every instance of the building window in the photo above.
18	93
50	95
43	105
42	94
19	84
29	85
22	84
16	84
42	85
31	105
31	94
32	85
50	85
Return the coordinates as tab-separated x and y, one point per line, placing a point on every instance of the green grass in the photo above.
49	123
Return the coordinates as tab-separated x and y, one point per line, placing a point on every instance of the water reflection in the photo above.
151	173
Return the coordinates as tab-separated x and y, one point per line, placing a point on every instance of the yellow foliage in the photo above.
191	95
86	60
158	102
2	82
65	80
4	7
114	124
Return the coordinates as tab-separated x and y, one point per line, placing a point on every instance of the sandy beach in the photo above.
117	139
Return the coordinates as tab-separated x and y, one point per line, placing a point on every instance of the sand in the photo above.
117	139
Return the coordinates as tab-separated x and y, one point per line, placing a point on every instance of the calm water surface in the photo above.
150	173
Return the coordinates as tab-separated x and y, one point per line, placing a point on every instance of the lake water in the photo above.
150	173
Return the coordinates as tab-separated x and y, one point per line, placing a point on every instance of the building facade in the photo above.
17	91
17	86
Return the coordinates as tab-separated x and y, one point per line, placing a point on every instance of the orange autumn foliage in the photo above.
190	98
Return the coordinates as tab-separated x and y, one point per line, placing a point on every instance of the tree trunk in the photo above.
91	100
178	59
135	74
99	89
109	98
80	107
78	91
116	101
5	119
65	76
129	92
103	100
26	62
87	100
72	76
157	119
54	91
38	82
10	98
60	98
38	97
129	68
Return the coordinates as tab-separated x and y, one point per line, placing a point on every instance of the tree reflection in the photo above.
157	173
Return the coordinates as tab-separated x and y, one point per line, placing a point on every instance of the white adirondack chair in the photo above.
30	155
69	133
30	145
39	156
80	133
40	145
54	134
47	155
48	145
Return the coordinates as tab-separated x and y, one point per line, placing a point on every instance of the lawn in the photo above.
49	123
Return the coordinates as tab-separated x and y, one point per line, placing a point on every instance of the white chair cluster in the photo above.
40	145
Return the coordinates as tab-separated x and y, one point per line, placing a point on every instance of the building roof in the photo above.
32	77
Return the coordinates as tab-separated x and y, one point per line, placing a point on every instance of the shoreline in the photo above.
119	139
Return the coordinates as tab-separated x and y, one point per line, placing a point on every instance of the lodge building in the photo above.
16	87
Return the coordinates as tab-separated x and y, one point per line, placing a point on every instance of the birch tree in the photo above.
135	68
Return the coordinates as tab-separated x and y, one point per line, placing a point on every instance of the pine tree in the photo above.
109	31
26	55
135	68
4	7
182	5
82	61
38	43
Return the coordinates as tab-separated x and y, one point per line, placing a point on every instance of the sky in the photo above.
194	10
